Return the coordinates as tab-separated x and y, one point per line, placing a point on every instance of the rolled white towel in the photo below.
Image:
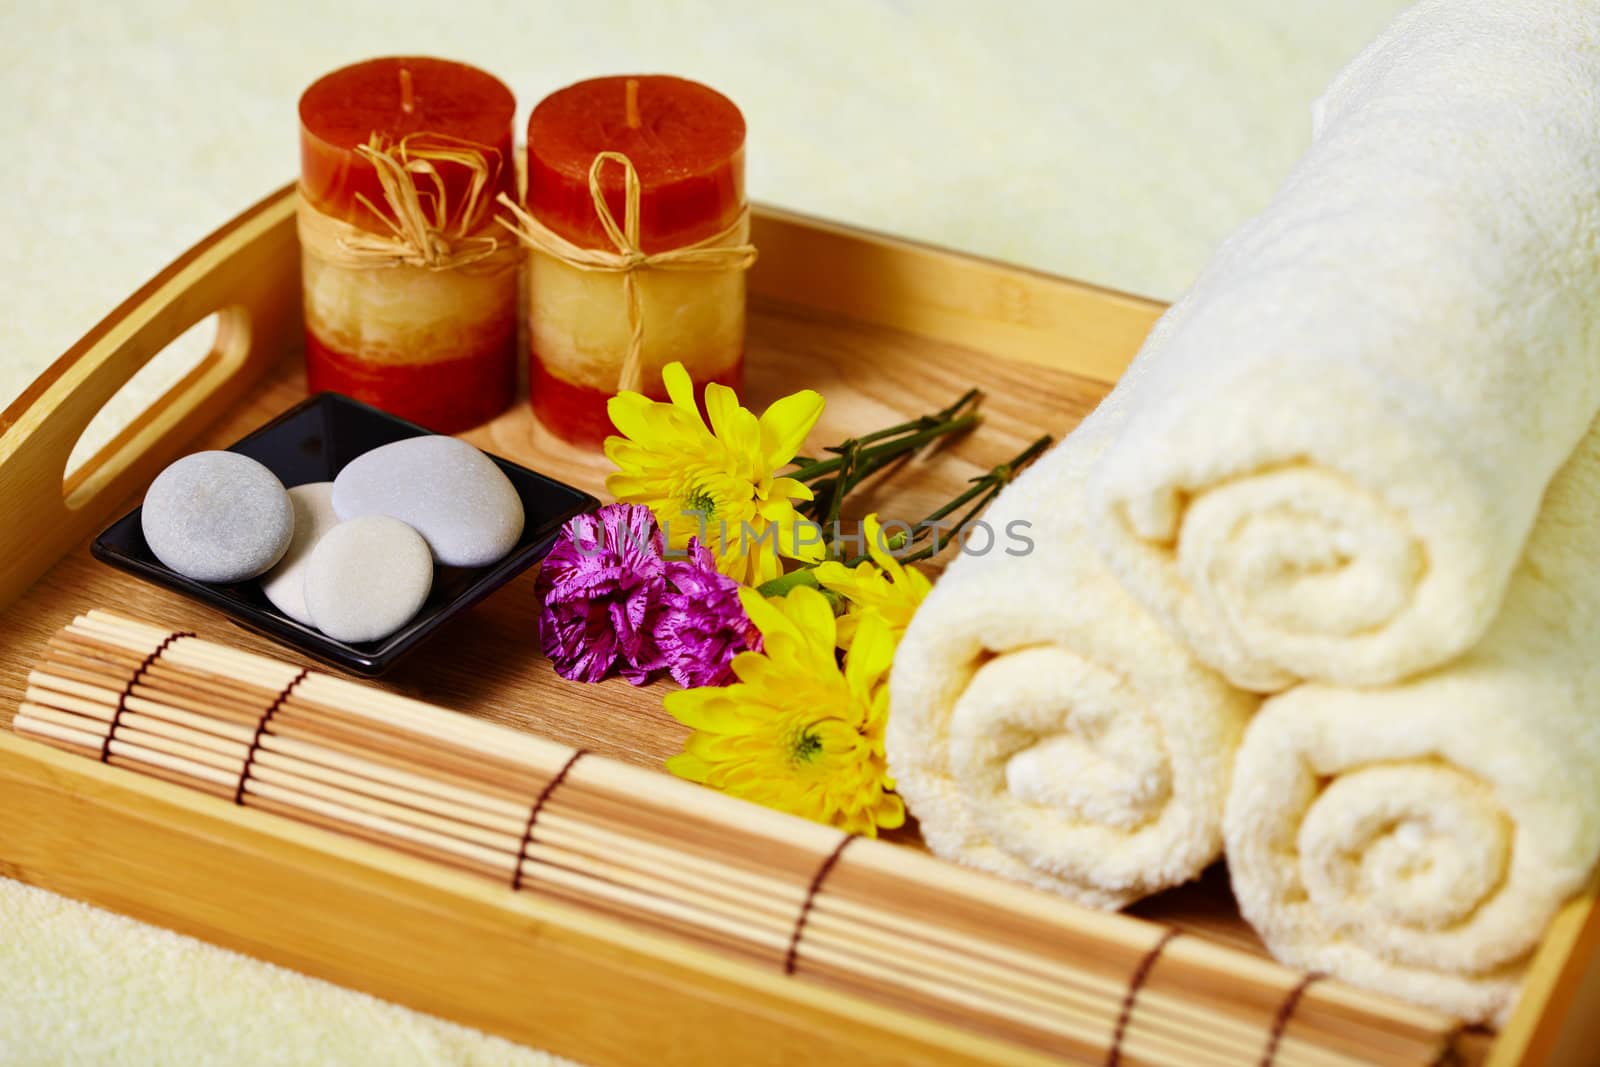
1417	839
1330	470
1043	726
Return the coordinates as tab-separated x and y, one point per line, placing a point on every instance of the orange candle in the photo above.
685	143
410	284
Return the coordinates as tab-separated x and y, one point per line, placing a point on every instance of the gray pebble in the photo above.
314	516
366	578
217	517
448	491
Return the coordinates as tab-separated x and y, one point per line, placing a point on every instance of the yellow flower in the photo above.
885	586
717	483
795	732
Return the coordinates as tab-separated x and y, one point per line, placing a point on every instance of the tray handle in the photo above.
248	272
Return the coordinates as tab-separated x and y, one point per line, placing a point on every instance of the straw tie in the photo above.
424	228
716	253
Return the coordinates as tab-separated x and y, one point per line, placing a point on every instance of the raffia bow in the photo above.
425	230
713	254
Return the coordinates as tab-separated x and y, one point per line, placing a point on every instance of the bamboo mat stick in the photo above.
884	922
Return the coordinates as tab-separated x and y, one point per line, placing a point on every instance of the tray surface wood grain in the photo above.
884	329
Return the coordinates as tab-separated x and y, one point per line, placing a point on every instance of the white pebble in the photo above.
452	494
217	517
366	578
314	516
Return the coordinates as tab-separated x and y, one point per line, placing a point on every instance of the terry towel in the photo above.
1043	726
1416	839
1330	470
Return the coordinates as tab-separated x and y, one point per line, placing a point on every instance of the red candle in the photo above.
686	143
410	289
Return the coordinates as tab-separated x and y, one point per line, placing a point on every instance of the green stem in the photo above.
971	396
923	422
808	468
853	463
781	585
806	575
984	489
874	457
994	479
842	485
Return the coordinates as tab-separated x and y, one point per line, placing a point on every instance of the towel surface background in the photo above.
1115	142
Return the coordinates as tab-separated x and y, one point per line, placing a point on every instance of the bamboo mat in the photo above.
882	921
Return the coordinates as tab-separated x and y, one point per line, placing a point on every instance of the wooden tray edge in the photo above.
470	941
1557	1019
1012	312
237	272
1009	311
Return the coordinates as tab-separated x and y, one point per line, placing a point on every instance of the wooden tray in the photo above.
882	327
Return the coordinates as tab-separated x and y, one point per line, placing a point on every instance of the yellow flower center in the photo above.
804	746
698	501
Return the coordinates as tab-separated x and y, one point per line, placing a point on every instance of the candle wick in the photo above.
631	104
408	101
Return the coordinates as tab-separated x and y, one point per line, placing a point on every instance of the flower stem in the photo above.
805	576
871	459
808	468
984	489
923	422
781	585
842	484
995	479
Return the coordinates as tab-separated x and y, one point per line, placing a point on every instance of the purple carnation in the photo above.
702	625
601	586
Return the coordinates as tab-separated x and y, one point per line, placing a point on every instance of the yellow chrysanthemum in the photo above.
717	483
885	586
795	732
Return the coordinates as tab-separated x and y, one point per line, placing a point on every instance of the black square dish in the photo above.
312	442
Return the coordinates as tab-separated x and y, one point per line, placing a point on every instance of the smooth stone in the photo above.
217	517
449	492
314	516
366	578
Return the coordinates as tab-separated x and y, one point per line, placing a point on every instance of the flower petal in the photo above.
681	390
890	813
812	616
722	404
696	708
762	566
628	411
871	652
785	424
689	767
862	583
785	489
800	538
632	489
764	614
877	547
